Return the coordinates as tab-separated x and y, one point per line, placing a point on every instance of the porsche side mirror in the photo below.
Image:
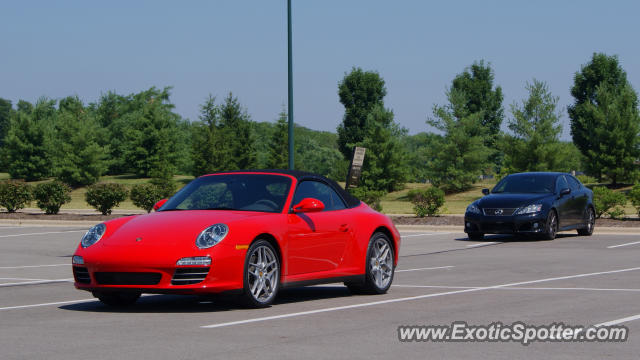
565	191
308	205
159	204
486	191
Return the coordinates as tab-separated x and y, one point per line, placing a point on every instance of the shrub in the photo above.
634	197
167	187
15	195
426	201
146	195
105	196
370	197
607	201
586	179
51	196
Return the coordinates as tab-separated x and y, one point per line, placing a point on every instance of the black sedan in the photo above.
540	203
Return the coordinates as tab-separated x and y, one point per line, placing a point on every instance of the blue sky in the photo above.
86	48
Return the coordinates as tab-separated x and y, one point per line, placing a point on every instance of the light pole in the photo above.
290	108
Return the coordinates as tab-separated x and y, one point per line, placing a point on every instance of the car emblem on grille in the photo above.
138	239
499	212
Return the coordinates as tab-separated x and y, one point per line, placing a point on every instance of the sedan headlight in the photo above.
530	209
93	235
212	235
473	209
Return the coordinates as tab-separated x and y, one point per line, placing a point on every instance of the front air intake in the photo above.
189	276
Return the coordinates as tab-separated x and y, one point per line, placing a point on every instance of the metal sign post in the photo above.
355	168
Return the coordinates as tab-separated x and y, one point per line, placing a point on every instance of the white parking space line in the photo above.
517	288
410	298
621	245
24	279
483	244
429	268
31	266
42	233
429	234
46	304
36	282
619	321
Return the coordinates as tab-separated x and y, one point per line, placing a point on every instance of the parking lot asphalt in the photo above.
441	278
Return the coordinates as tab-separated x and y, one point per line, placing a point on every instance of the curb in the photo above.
602	230
405	228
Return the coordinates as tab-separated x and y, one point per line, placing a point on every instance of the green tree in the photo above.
26	147
278	146
50	196
79	158
237	145
150	146
536	129
205	150
359	91
605	123
480	96
384	167
462	155
6	112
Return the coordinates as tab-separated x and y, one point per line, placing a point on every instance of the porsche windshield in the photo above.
526	184
245	192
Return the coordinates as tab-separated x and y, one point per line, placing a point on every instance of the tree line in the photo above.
141	134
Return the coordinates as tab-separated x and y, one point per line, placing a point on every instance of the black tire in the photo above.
379	268
589	223
261	271
117	299
551	226
475	236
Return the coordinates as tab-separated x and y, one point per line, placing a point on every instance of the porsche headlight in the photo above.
212	235
93	235
530	209
473	209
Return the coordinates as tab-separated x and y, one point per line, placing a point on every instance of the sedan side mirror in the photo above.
159	204
486	191
565	191
308	205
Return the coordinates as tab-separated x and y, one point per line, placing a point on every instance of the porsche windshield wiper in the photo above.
219	208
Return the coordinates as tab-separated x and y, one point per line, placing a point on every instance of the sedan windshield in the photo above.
526	184
245	192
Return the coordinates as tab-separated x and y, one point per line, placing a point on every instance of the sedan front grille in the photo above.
189	276
127	278
81	274
499	211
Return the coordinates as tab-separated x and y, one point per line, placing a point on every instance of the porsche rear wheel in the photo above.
261	274
379	267
117	299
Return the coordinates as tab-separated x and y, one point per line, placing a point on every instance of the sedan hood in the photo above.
170	227
510	200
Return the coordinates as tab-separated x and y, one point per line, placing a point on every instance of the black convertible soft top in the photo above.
349	199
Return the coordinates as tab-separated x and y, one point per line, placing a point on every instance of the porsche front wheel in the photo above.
261	274
379	267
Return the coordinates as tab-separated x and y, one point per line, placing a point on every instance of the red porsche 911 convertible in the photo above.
248	233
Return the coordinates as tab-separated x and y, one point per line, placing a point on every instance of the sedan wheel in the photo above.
379	267
589	224
261	274
551	226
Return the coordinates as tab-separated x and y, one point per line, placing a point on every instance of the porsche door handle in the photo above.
344	227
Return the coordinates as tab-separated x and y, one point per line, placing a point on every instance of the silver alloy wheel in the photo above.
553	225
590	221
263	273
381	263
